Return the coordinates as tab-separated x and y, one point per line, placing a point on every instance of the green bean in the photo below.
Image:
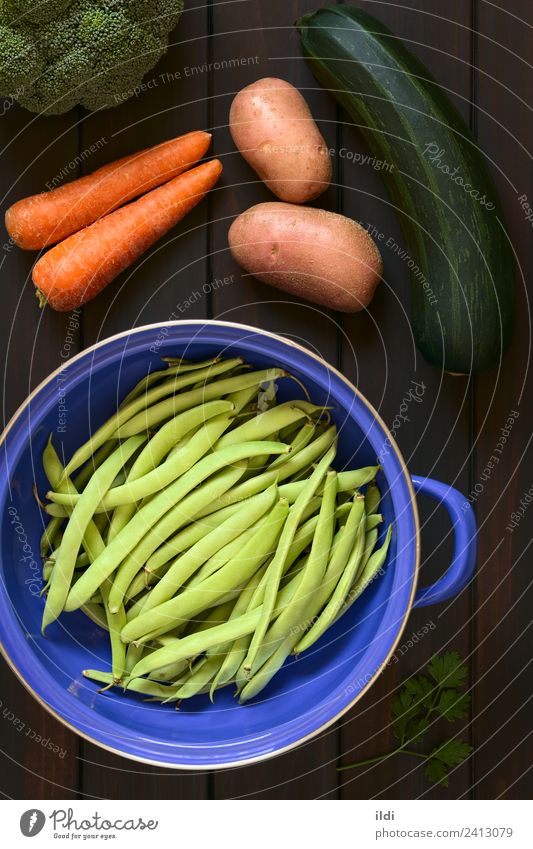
241	397
342	548
311	578
372	499
115	623
156	619
197	643
170	673
82	561
332	608
241	646
188	536
178	367
101	522
195	556
157	479
221	557
176	517
260	482
232	666
94	462
143	580
223	545
232	662
238	369
302	438
50	534
367	574
302	538
140	685
48	565
239	649
217	616
348	481
157	413
52	465
268	423
158	446
265	674
76	528
371	539
166	673
196	682
257	464
288	433
373	521
54	471
96	613
148	515
282	551
57	511
198	529
133	656
241	606
112	425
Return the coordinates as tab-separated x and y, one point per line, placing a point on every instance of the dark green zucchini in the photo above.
462	262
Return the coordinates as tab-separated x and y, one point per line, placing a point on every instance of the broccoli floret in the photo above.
92	52
21	12
160	16
20	61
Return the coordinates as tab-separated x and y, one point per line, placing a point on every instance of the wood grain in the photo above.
477	51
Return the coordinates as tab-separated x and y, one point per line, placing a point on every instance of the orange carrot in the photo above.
45	219
73	272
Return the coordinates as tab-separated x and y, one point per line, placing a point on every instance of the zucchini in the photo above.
462	270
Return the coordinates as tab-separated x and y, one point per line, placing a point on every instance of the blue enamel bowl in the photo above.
311	691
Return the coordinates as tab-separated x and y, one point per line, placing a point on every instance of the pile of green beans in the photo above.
211	537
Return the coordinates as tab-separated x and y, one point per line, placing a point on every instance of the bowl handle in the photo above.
464	526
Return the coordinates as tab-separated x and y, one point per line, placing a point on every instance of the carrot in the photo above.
73	272
45	219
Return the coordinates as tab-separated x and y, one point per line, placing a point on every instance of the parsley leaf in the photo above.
421	689
450	753
447	670
416	730
403	711
452	704
437	771
411	708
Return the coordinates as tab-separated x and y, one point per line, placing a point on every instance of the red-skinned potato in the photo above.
274	130
312	253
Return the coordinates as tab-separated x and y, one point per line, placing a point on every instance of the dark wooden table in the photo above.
478	51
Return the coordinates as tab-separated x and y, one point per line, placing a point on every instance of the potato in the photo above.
312	253
272	127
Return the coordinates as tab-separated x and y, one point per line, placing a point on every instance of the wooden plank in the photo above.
261	41
108	776
32	343
503	688
174	102
379	356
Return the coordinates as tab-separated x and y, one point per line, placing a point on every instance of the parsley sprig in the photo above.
421	699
